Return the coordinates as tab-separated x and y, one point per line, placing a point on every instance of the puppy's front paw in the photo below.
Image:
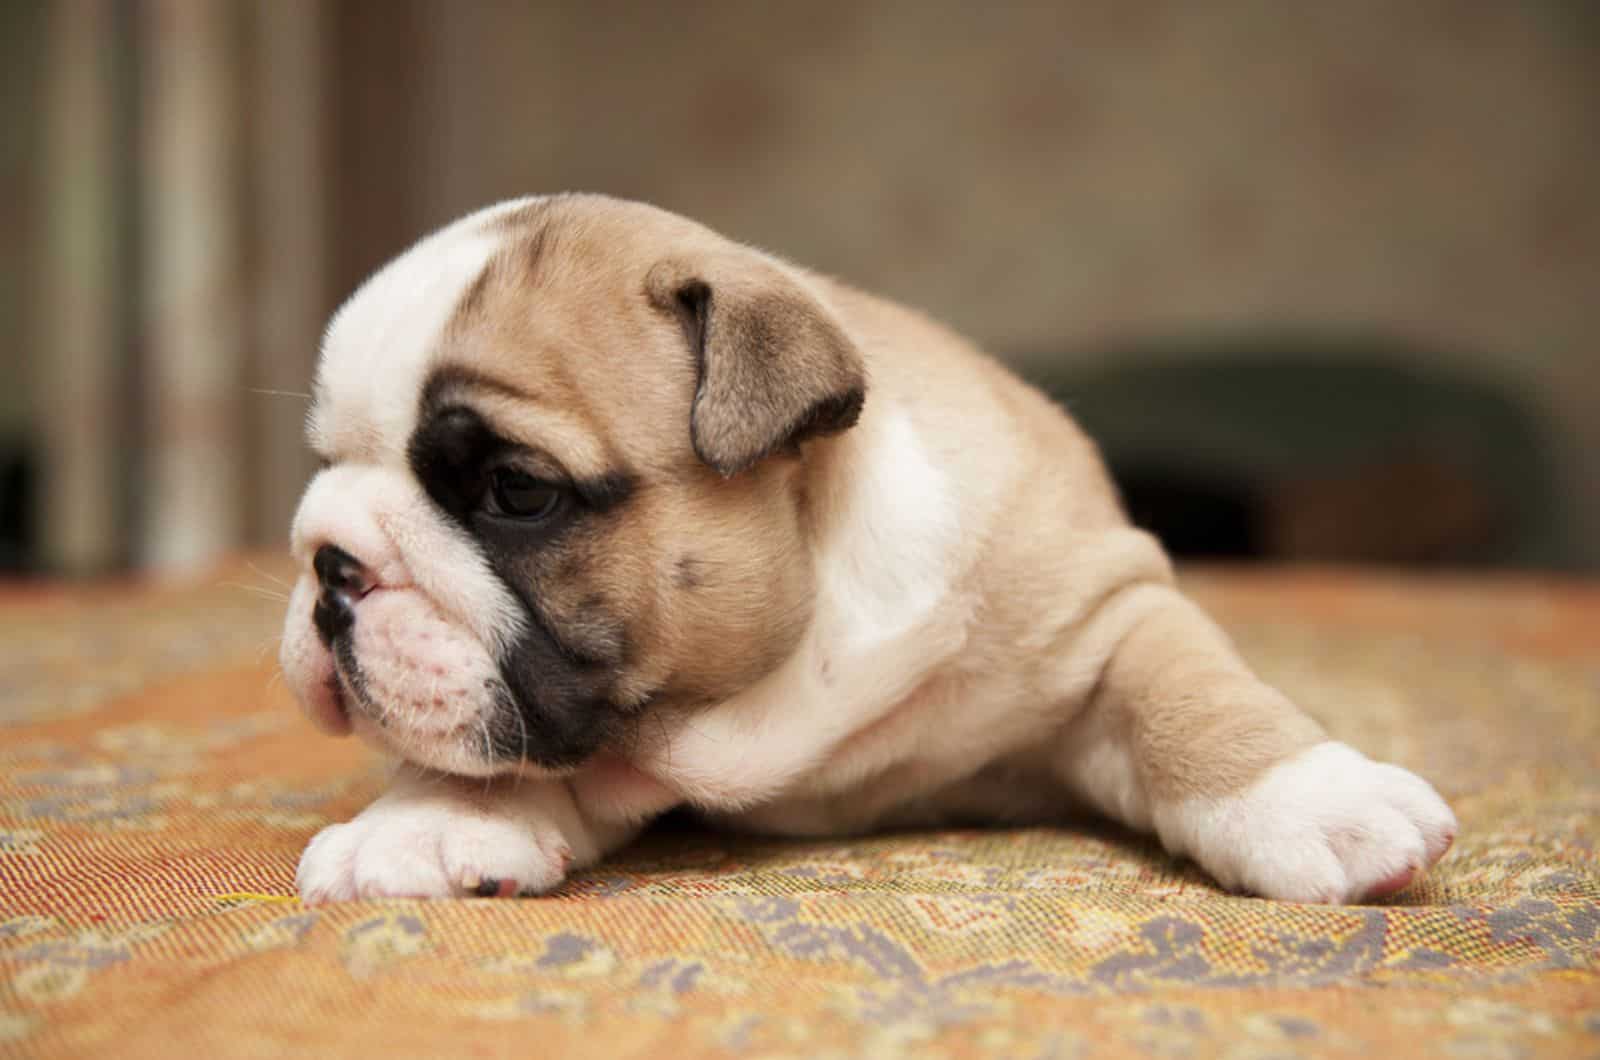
436	848
1328	825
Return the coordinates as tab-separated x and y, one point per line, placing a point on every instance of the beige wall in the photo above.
1050	176
1054	179
20	31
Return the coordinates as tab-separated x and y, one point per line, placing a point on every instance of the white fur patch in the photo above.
884	565
436	839
1329	825
381	343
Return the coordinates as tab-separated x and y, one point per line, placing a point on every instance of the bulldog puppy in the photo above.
617	514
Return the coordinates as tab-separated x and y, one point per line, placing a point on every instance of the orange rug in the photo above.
157	787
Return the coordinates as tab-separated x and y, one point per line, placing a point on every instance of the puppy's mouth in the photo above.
400	672
486	743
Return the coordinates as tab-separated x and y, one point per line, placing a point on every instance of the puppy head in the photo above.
562	441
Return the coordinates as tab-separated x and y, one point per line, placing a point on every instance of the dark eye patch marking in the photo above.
454	449
450	453
565	705
605	492
556	681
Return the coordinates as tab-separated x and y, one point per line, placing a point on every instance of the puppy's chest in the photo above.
949	727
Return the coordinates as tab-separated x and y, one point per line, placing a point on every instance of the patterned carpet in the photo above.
156	789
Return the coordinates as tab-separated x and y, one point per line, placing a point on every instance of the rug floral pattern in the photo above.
156	789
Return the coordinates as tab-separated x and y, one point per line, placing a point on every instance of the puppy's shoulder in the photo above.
1000	437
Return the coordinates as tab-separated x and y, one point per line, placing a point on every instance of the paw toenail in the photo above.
489	887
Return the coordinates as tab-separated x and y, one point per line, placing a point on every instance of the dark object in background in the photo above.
17	552
1420	509
1303	449
1195	513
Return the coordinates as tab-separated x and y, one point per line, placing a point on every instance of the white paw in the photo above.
431	848
1328	825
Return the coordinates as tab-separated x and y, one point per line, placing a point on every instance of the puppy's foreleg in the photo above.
1181	739
432	836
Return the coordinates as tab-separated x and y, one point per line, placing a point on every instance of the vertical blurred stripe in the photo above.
194	316
80	413
171	412
289	278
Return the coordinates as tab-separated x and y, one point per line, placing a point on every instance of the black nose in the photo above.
340	573
344	581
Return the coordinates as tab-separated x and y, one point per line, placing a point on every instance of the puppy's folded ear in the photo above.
775	367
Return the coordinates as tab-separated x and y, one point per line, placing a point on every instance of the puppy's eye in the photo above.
521	496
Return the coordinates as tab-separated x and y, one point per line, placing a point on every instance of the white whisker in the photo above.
274	579
522	727
259	590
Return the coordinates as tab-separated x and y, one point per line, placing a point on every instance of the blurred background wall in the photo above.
1322	277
